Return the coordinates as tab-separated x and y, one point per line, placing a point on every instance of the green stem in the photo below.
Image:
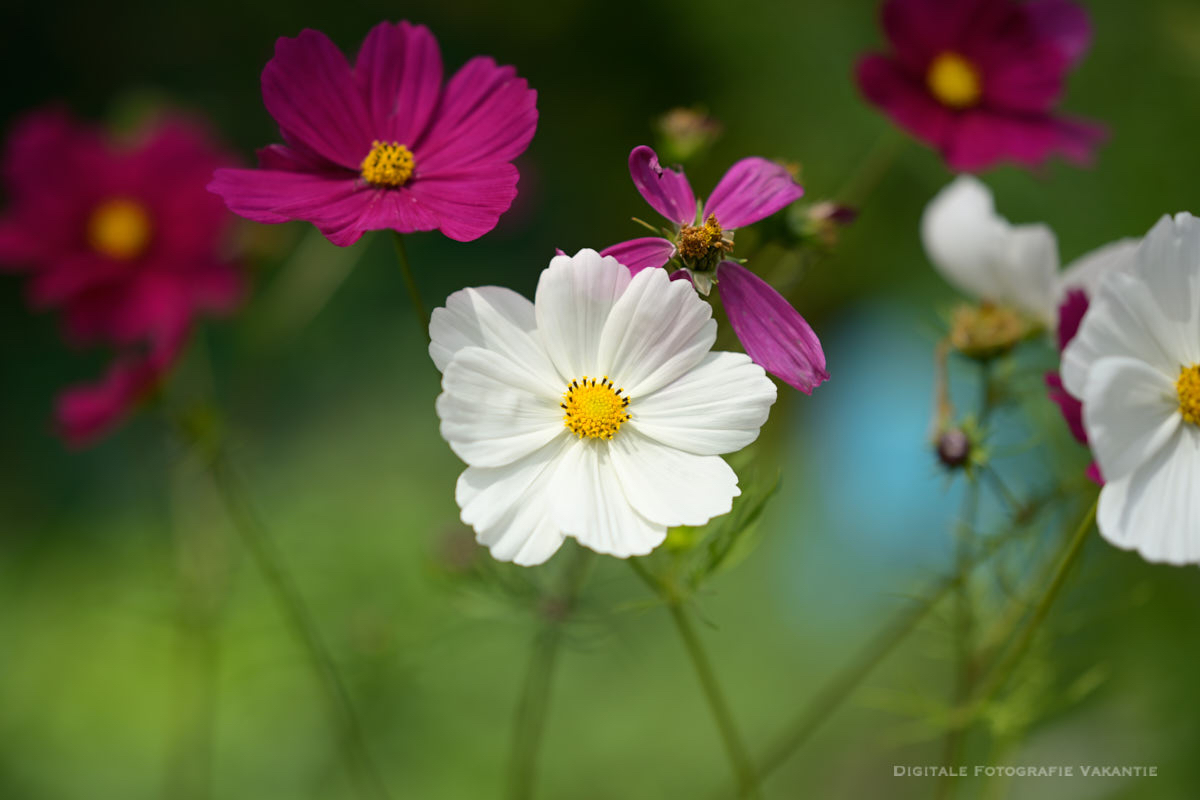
834	694
739	758
258	542
529	721
872	169
1003	671
410	282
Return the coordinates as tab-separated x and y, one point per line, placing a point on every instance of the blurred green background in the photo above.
141	656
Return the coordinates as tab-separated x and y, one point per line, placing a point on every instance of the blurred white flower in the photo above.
1135	364
988	258
597	411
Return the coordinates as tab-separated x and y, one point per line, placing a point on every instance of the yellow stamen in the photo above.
387	164
1188	388
954	81
119	228
697	241
595	409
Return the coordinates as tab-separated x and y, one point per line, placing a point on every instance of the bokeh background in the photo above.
140	654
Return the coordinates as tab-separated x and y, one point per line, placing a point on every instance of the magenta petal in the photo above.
666	190
773	333
1063	22
1070	316
983	138
752	189
276	196
1072	409
310	91
640	254
84	412
466	204
1094	475
487	114
399	71
886	84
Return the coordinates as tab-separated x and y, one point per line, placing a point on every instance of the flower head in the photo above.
123	239
597	411
383	144
1135	364
700	241
979	80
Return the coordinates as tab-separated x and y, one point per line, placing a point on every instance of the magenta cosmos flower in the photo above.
1070	316
979	79
123	239
773	333
383	144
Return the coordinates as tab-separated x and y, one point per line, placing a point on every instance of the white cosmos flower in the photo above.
1135	364
596	411
988	258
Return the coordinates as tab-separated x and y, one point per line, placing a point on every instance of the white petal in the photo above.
718	407
961	231
509	506
1169	262
574	298
457	325
1129	411
1125	319
981	254
669	486
494	319
657	331
1156	509
493	411
1087	271
588	503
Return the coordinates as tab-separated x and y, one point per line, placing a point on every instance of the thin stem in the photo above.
831	697
410	282
257	540
872	169
739	758
1003	671
529	721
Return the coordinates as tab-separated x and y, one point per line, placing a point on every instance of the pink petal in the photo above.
773	333
887	85
666	190
271	196
467	204
752	189
291	158
486	115
640	254
1070	316
982	138
1064	23
310	91
399	72
1072	409
346	220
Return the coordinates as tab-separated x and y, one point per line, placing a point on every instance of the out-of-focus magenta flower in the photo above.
123	239
773	333
383	144
979	79
1070	315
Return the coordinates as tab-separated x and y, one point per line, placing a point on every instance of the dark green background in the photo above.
103	688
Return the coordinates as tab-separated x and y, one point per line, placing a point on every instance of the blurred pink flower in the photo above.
383	144
1070	315
773	333
123	239
979	79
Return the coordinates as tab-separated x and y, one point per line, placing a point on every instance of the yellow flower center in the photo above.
594	409
697	241
387	164
119	228
954	81
1188	387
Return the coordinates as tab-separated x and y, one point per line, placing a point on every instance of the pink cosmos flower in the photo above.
979	79
773	333
1070	315
122	239
383	144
